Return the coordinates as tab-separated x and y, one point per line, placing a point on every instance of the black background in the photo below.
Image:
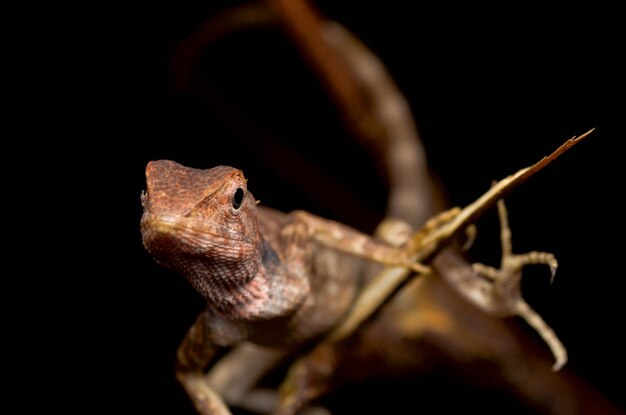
492	90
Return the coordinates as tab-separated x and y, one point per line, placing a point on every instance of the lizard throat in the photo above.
239	280
265	294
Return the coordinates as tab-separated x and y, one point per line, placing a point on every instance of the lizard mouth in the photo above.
165	235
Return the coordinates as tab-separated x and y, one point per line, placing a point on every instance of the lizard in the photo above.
270	278
276	282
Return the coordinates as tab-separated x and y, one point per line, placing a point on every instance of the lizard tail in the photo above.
386	127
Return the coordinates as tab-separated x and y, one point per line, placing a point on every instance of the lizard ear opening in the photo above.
238	198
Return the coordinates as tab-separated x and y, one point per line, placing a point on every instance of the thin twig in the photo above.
376	294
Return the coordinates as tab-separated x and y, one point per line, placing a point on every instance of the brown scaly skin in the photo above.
281	280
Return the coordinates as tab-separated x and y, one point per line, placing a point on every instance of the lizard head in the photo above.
200	223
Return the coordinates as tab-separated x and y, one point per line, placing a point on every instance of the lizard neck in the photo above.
258	288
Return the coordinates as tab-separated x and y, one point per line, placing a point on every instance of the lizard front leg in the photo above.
352	242
193	356
231	379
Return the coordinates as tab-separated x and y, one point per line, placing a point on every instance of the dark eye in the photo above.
238	198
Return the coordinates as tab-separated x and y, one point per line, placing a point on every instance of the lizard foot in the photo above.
501	288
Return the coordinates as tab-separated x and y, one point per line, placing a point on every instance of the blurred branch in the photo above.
428	321
373	108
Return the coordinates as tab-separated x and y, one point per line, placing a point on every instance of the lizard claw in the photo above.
470	237
502	288
553	267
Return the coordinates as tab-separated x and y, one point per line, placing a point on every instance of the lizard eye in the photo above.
238	198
